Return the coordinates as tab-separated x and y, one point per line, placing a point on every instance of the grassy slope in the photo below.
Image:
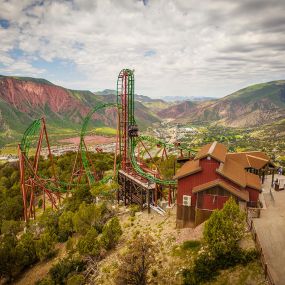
269	91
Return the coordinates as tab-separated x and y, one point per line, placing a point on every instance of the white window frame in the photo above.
187	200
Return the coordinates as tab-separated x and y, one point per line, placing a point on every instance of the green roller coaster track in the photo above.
30	132
85	161
34	128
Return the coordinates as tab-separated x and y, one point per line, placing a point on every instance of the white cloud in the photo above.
179	47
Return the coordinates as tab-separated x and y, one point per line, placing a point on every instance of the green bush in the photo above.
49	221
8	256
45	246
77	279
191	244
222	233
133	209
111	233
10	227
93	215
80	195
65	226
45	281
224	229
89	244
26	250
64	269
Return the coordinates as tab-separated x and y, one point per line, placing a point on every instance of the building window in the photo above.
186	200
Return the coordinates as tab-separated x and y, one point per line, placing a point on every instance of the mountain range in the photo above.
23	99
251	106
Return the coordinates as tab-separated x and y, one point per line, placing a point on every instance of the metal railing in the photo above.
258	246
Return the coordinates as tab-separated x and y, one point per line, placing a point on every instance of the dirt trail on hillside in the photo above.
41	269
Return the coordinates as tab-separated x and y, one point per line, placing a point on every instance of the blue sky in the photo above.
176	47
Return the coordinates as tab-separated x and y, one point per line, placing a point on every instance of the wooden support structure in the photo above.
135	191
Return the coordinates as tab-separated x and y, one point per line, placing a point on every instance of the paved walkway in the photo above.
270	229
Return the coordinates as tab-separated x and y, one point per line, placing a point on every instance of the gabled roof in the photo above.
233	171
253	159
243	194
188	168
253	181
215	150
256	162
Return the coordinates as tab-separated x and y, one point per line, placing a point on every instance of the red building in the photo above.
207	182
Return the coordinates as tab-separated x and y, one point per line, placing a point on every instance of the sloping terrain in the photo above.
251	106
24	99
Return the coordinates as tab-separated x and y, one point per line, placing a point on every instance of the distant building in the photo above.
207	182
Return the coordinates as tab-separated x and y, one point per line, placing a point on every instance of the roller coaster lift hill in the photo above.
139	183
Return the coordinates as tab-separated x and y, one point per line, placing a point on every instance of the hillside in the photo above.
25	99
257	104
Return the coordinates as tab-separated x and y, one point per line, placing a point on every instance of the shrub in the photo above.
89	244
60	272
190	244
45	245
133	209
71	245
77	279
45	281
90	216
65	225
8	256
135	264
111	233
224	229
49	221
10	227
26	250
82	194
221	235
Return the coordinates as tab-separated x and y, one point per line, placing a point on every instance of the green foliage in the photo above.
70	245
10	195
10	227
111	233
93	215
64	269
49	221
45	246
167	167
26	250
136	263
8	256
16	255
65	225
224	229
89	244
133	209
45	281
206	266
105	191
80	195
77	279
222	233
191	244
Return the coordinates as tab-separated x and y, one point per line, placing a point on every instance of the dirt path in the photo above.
40	270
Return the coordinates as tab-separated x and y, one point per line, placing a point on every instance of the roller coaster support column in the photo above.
22	182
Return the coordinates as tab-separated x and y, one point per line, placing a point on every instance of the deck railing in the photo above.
265	267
